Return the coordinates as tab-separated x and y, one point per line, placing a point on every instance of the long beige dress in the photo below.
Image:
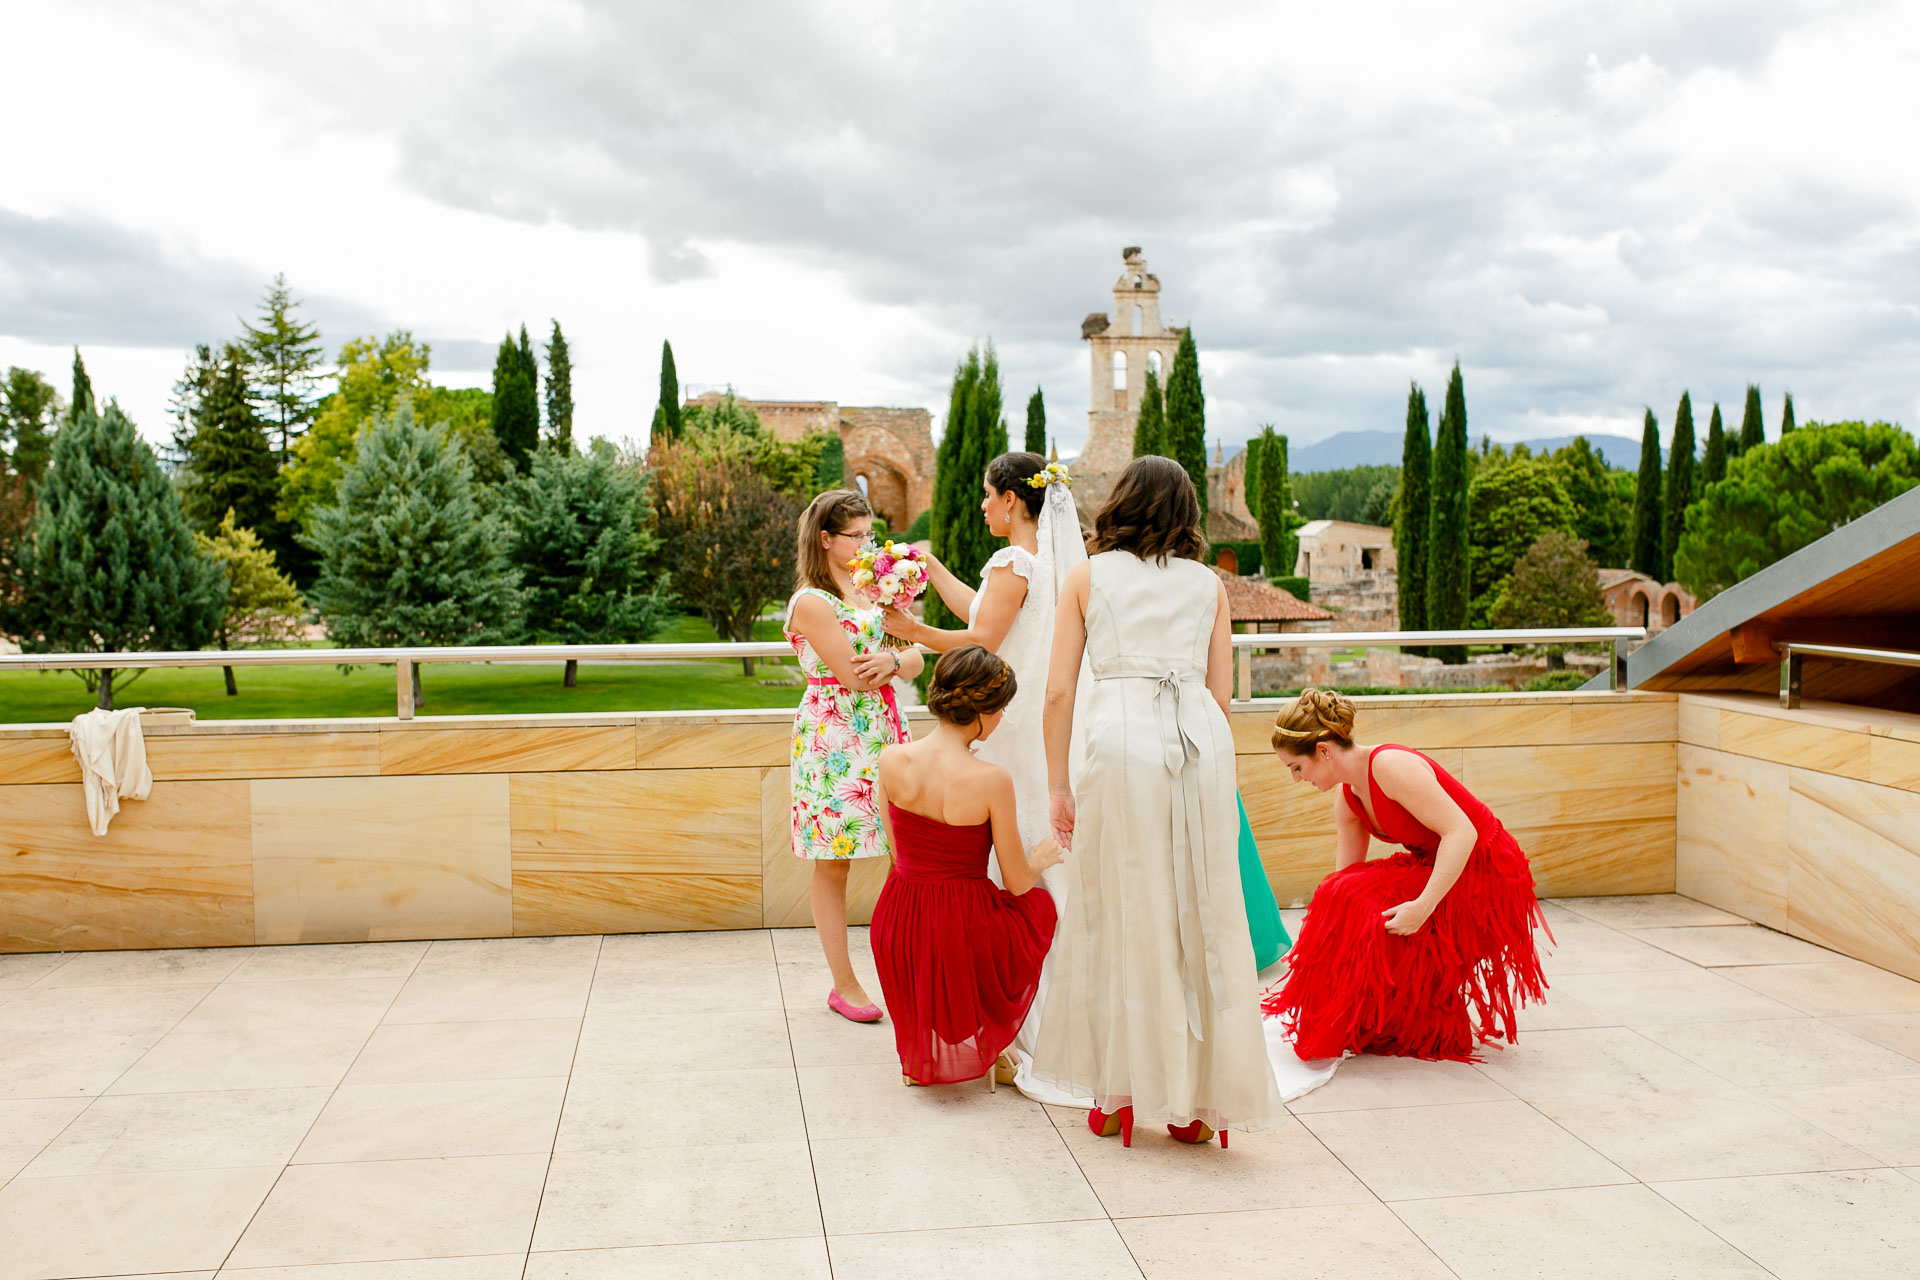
1154	1001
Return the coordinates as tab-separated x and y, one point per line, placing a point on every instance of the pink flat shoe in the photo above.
852	1012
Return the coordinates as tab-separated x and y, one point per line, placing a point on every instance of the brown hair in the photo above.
1316	716
1153	513
829	512
1010	472
969	682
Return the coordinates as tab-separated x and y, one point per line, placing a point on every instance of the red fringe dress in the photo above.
959	957
1438	993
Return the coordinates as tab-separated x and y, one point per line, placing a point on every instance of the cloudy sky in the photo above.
1592	206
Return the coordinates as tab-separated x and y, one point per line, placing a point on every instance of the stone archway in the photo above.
893	475
1670	608
886	491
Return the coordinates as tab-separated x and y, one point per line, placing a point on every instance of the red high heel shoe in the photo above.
1107	1123
1195	1134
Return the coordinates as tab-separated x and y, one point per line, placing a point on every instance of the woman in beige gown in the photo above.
1154	1010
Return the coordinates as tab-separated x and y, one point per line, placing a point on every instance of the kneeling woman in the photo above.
959	957
1423	954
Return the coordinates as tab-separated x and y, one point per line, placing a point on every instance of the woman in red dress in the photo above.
1423	954
959	957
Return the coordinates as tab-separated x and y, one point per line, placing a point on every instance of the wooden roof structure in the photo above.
1858	586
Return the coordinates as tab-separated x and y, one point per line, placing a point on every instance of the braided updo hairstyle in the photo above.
969	682
1010	472
1316	716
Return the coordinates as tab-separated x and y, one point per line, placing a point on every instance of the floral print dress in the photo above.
838	735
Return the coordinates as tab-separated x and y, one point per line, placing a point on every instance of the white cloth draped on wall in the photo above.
113	761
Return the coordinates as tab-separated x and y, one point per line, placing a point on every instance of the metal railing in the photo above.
404	660
1792	654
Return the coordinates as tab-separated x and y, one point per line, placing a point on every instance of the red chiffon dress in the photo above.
1435	994
959	957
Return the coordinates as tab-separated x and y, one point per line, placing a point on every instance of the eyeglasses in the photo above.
857	537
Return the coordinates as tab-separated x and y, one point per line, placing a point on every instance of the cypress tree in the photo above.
230	465
1250	471
559	392
666	414
111	566
1714	467
1411	516
1786	417
285	353
975	434
516	403
1681	487
1150	427
1272	504
1185	432
1752	430
82	401
1447	567
1036	441
1646	502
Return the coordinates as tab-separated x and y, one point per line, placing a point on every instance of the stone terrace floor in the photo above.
1700	1097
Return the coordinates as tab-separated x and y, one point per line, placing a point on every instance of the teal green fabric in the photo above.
1270	940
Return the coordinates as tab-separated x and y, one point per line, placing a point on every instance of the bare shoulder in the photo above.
810	610
1402	769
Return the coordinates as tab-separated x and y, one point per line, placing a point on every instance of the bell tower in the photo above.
1121	348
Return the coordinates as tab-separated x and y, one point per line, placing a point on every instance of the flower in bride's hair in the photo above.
1052	473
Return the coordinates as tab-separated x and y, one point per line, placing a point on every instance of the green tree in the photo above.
1150	425
407	555
581	537
666	414
1778	498
1272	503
1713	467
974	435
1342	494
1448	583
229	464
1553	584
727	536
1646	503
285	354
1681	487
1036	424
82	402
1786	417
1752	430
262	609
1509	506
516	402
111	566
467	414
1602	511
1185	437
728	428
559	391
372	376
1412	515
30	413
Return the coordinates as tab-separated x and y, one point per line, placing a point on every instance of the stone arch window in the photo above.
864	485
1670	609
1153	363
1644	606
1139	319
1119	379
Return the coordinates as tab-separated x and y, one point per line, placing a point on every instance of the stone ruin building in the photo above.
1121	348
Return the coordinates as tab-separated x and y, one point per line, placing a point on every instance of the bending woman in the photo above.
1423	954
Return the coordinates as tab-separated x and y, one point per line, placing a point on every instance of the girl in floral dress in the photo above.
846	718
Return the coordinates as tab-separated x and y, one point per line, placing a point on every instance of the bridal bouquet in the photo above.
892	574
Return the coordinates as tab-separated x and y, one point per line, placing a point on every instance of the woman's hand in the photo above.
1045	853
876	669
1060	817
897	623
1407	918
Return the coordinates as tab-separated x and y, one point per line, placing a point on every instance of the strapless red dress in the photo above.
1438	993
959	957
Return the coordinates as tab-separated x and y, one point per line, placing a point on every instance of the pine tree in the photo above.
407	554
516	402
1150	427
1411	516
1272	504
29	415
1447	561
82	401
1646	503
666	414
1714	467
262	609
229	463
559	392
1036	441
974	435
1752	430
581	537
1786	417
111	566
286	354
1681	488
1186	417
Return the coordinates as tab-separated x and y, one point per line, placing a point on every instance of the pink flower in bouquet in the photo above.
890	573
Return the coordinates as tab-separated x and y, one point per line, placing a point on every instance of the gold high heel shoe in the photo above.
1002	1073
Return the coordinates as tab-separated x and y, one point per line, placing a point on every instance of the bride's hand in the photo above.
896	623
1060	817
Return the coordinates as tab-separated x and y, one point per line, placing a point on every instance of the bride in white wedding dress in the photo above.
1012	615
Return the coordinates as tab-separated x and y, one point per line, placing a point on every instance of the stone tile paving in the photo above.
1699	1097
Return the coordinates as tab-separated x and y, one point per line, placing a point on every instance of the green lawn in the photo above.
270	693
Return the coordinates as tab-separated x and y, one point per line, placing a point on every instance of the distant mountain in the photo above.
1382	448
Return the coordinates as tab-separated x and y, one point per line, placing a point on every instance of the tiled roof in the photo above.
1254	601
